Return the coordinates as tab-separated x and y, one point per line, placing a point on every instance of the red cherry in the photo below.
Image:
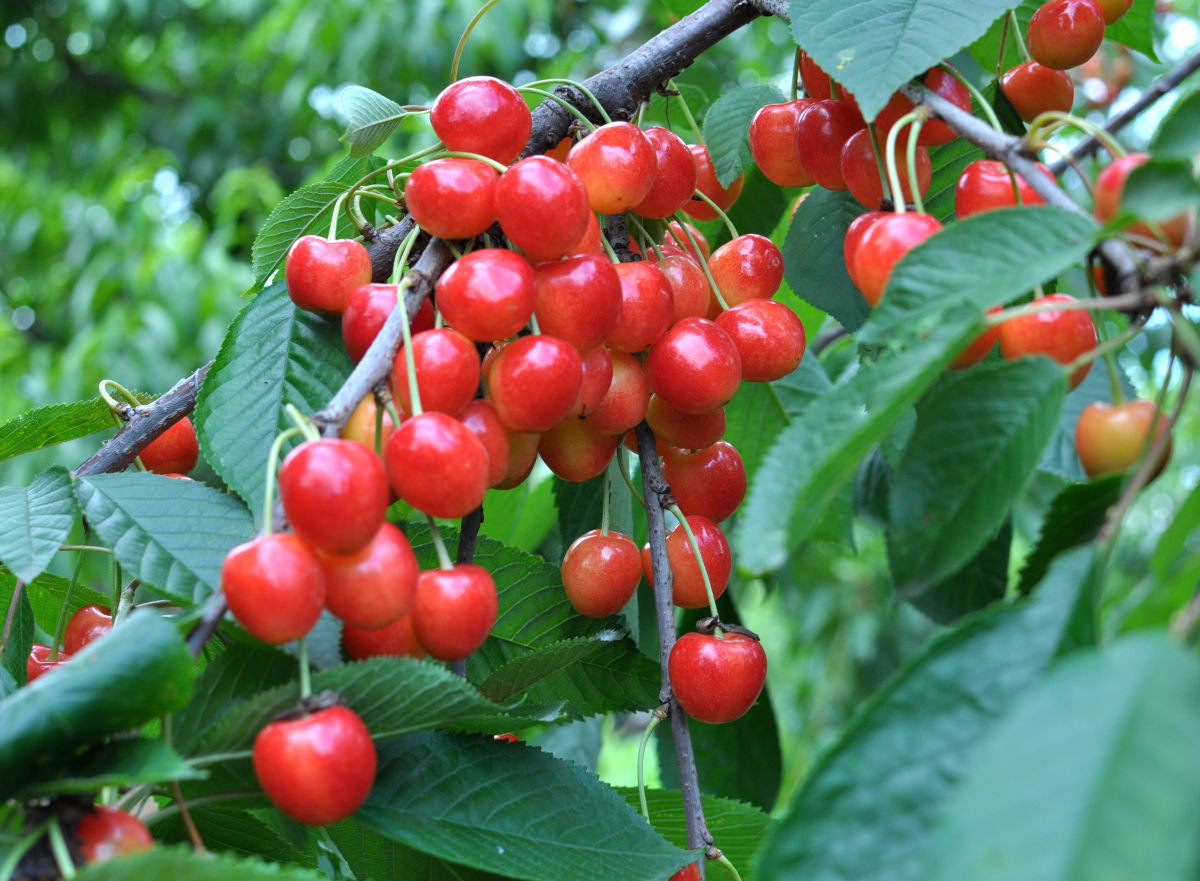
815	80
396	640
437	465
1110	439
535	381
933	133
488	294
322	274
481	420
597	377
717	679
175	451
39	663
374	587
1114	9
1065	33
1110	189
773	133
749	267
365	313
335	494
617	164
578	299
690	291
107	833
861	172
563	149
447	371
687	873
360	427
695	366
453	198
522	456
979	348
676	237
709	482
590	243
854	236
884	245
601	572
647	304
823	129
1063	336
317	769
482	115
1033	89
625	400
88	624
575	451
769	338
690	431
985	185
689	592
543	207
675	179
274	586
707	183
454	610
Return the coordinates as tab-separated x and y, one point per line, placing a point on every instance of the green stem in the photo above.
655	719
216	758
796	74
1105	350
1044	123
883	178
646	237
444	561
1003	46
302	423
379	427
500	167
267	524
93	548
1015	27
114	584
112	405
462	41
581	87
58	846
604	506
400	263
305	673
691	536
612	255
410	362
890	155
913	181
703	263
13	854
337	209
623	463
976	94
687	112
564	102
724	861
534	327
717	208
61	626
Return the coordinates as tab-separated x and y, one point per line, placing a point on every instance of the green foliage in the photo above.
1160	189
1135	28
116	763
20	638
371	855
37	520
179	864
978	584
814	259
1178	137
1074	518
54	424
372	119
727	129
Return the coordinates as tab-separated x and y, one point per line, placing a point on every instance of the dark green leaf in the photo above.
1174	540
579	741
814	260
1178	136
180	864
46	595
37	520
171	534
20	636
1135	28
1160	189
223	828
980	583
371	119
1075	517
56	424
520	517
118	763
727	128
373	856
7	684
758	209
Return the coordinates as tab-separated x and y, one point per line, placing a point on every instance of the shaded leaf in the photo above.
1074	518
371	119
978	584
727	128
20	637
117	763
180	864
1178	135
1160	189
239	831
758	209
520	517
373	856
37	520
814	259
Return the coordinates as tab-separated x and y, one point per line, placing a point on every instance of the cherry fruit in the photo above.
986	185
88	624
676	176
884	245
454	610
274	586
447	367
535	381
578	299
365	314
695	366
647	304
717	679
1114	9
676	428
396	640
175	451
374	587
437	465
597	378
1065	33
484	115
38	663
689	592
601	572
689	872
590	243
707	183
522	456
107	833
322	274
854	236
709	482
576	451
861	172
747	268
1110	439
677	237
1032	89
542	206
768	336
773	136
488	294
452	198
360	427
625	400
979	348
1063	336
617	164
690	291
481	420
934	132
335	494
1110	190
822	132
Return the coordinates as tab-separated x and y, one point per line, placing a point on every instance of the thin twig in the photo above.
193	832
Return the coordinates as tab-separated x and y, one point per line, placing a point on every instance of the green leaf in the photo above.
273	355
1075	517
814	456
986	49
520	517
510	809
117	763
242	832
1178	136
979	437
871	800
727	128
758	209
56	424
1135	29
873	47
814	259
373	856
37	520
171	534
371	119
138	672
46	595
1160	189
1101	748
983	581
989	259
1174	540
180	864
20	637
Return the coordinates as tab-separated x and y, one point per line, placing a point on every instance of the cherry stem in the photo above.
1055	119
890	155
604	506
834	92
58	846
186	816
623	462
612	255
725	217
712	282
378	426
126	604
724	861
691	537
302	422
1125	301
400	263
18	589
687	112
534	328
1003	46
462	41
796	74
883	177
655	719
268	520
1106	349
61	625
1015	28
337	209
305	674
453	250
646	238
1118	395
913	134
581	87
564	102
114	584
444	561
976	95
500	167
113	406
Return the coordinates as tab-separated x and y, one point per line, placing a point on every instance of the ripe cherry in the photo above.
562	151
542	206
769	338
575	451
689	592
39	663
578	299
601	572
175	451
374	587
1033	89
625	400
535	381
452	198
647	303
773	135
933	133
676	237
861	172
88	624
1065	33
447	371
985	185
107	833
823	130
884	245
322	274
437	465
274	586
522	456
695	366
854	236
707	183
454	610
979	348
688	431
481	420
317	769
717	679
482	115
1110	439
366	312
1114	9
690	291
597	377
749	267
335	494
1063	336
360	427
617	164
396	640
689	872
675	178
489	294
1110	189
709	482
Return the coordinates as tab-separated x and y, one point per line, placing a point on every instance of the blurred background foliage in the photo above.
144	142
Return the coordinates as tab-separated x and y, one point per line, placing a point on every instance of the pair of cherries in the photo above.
88	624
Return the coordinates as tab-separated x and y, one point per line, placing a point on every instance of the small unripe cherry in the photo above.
1110	440
676	236
707	183
452	198
1110	190
360	427
522	456
578	299
601	573
1063	336
769	338
481	420
773	134
746	268
542	206
979	347
617	164
396	640
934	132
823	129
647	303
488	294
717	679
861	172
884	245
597	377
175	451
690	291
854	236
274	587
322	274
985	185
437	465
534	382
695	366
335	494
374	587
625	400
454	610
709	482
675	178
107	833
575	451
447	366
1065	33
689	592
689	431
484	115
87	624
1033	89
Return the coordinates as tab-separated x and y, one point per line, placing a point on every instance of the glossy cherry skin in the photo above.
676	236
979	348
861	173
175	451
695	366
933	132
575	451
39	663
1033	89
454	610
487	295
769	338
542	206
1110	189
452	198
522	456
590	243
318	769
322	274
675	178
626	399
535	381
274	586
360	427
1114	9
709	482
484	115
562	151
707	183
447	372
88	624
1063	336
335	494
578	299
822	131
597	378
690	291
437	465
481	420
647	304
690	431
687	873
1110	439
1065	33
107	833
368	310
617	164
854	236
601	572
749	267
773	135
689	592
885	245
375	586
396	640
985	185
717	679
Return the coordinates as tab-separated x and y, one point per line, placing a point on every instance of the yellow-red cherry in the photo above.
773	135
437	465
690	290
1065	33
1114	9
89	623
597	377
717	679
360	427
979	347
522	456
542	206
676	236
483	115
747	268
1033	89
709	482
578	299
707	183
107	833
487	295
689	592
322	274
690	872
396	640
373	587
575	451
884	245
617	165
1063	336
274	587
695	366
986	185
1110	439
481	420
447	366
175	451
625	400
601	572
860	171
769	338
647	304
823	129
452	198
454	610
675	177
691	431
535	381
335	494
